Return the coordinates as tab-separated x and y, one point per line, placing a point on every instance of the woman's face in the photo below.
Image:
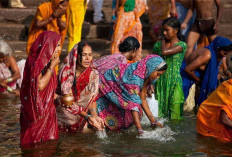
87	57
169	32
155	75
2	58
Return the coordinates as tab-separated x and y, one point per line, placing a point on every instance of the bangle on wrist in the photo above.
50	70
140	130
87	117
9	89
9	80
154	123
92	109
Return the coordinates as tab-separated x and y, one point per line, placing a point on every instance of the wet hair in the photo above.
174	23
163	68
80	48
225	48
129	44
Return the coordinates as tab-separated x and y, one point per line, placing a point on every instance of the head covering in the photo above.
5	48
32	99
209	82
68	73
120	89
55	3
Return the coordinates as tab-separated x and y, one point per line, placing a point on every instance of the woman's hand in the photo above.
54	61
3	83
92	121
100	121
155	123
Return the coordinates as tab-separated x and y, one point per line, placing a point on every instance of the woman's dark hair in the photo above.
129	44
225	48
174	23
163	68
80	48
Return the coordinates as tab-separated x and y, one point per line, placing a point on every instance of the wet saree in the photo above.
168	88
208	116
209	75
128	24
84	89
38	113
44	11
119	91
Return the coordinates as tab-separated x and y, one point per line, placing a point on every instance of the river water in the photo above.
177	138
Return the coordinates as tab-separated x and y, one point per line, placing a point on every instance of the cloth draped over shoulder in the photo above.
44	11
119	91
208	116
168	88
209	83
38	114
84	89
129	5
128	24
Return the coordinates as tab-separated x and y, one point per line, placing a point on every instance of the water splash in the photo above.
164	134
101	134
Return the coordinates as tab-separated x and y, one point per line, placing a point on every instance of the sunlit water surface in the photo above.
177	138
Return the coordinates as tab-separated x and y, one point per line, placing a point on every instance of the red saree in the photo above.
38	114
84	89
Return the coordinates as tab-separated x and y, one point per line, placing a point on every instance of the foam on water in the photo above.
164	134
101	134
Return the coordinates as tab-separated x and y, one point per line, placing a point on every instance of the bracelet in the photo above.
92	109
154	124
87	117
140	130
9	89
50	70
9	80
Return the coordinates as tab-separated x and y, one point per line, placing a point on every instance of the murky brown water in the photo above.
175	139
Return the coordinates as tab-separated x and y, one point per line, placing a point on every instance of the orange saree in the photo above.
128	24
208	116
44	11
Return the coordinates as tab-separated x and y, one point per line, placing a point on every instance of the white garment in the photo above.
153	105
16	4
21	65
97	6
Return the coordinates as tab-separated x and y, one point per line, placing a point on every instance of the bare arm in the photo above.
43	23
188	16
173	11
170	51
225	119
61	24
14	67
201	60
44	80
219	12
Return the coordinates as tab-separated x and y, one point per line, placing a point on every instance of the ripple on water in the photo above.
164	134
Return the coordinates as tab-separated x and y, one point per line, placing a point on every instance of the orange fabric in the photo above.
45	10
208	116
202	42
128	24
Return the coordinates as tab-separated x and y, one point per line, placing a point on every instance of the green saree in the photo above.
168	88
